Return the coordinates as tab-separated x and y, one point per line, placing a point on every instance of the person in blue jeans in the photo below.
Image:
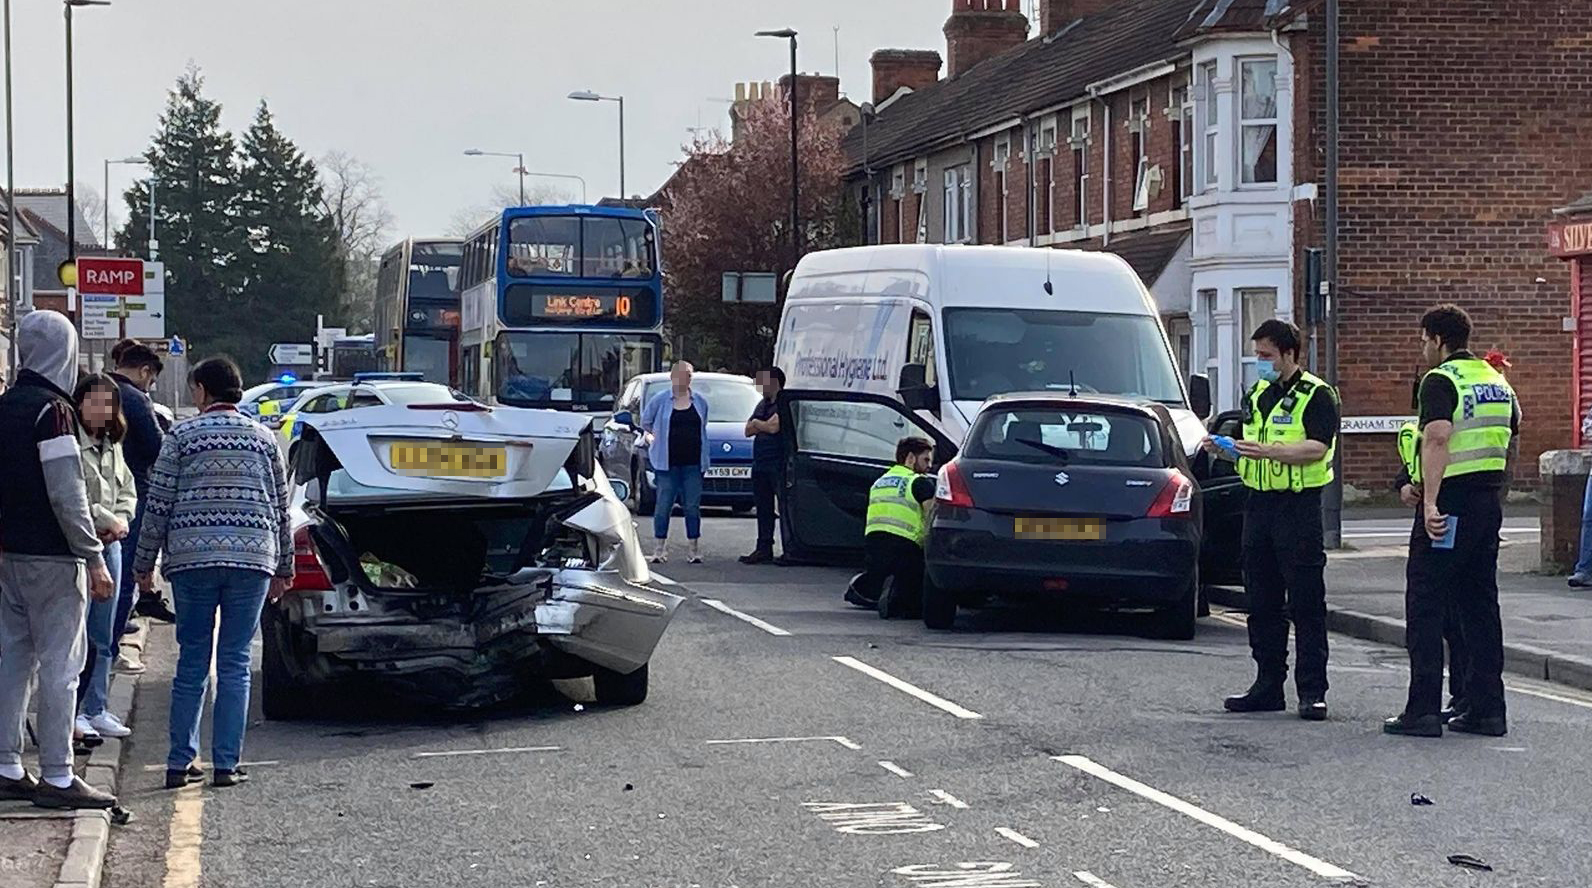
676	422
218	510
1581	578
137	368
112	499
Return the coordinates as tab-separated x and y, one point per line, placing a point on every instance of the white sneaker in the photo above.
85	728
693	552
126	665
660	553
109	725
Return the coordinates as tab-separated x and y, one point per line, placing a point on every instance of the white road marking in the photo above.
1015	836
663	579
1271	846
895	769
1545	695
936	701
976	874
873	818
506	749
842	741
1092	880
723	608
244	765
184	839
948	799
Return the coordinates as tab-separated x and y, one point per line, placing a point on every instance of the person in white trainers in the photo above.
112	500
676	422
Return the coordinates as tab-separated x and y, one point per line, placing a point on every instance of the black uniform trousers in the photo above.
765	494
889	555
1459	586
1284	573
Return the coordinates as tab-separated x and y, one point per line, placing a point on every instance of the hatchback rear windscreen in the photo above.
1051	436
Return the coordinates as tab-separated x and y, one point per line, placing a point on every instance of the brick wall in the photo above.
1464	123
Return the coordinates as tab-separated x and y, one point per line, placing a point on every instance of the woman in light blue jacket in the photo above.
676	422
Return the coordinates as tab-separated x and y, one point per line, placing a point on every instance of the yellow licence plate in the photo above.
1033	527
453	460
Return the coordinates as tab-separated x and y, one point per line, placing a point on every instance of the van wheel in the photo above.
939	606
281	697
1177	623
616	689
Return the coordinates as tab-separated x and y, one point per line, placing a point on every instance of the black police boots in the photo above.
1406	725
1265	695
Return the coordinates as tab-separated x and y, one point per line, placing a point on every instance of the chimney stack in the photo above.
895	68
979	29
815	93
1057	14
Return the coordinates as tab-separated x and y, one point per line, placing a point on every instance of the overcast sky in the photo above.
407	85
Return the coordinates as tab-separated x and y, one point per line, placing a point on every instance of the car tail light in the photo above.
1176	499
308	573
950	489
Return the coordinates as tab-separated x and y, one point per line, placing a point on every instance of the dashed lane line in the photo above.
446	753
723	608
1007	832
908	688
1092	880
847	742
895	769
946	798
1271	846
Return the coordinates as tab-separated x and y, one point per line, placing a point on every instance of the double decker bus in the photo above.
416	316
561	306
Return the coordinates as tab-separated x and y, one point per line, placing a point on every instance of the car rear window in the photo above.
1047	435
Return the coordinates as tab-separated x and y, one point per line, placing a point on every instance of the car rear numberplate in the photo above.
435	459
1037	527
728	472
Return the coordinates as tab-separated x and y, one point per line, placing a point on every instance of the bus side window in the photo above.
470	372
920	347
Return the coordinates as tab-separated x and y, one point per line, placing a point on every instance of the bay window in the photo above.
1258	121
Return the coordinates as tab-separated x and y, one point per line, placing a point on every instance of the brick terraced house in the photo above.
1188	136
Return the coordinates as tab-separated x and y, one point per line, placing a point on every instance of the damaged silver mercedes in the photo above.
453	553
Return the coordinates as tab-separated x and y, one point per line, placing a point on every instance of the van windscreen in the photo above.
992	351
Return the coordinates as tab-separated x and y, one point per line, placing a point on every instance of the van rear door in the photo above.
837	444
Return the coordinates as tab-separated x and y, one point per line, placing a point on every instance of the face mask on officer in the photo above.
1271	363
1268	370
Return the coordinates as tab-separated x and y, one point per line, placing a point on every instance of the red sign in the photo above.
110	277
1566	239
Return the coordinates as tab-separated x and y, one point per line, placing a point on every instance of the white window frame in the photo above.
923	217
956	197
1247	324
1209	343
1047	150
1139	125
1082	121
1210	129
1181	111
920	177
1245	124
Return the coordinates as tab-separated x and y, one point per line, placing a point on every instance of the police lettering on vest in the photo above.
891	508
1284	425
1483	417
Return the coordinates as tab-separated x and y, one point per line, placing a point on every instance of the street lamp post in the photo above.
71	154
587	95
795	172
108	162
477	152
13	273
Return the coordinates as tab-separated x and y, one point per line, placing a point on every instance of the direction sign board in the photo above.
101	316
293	354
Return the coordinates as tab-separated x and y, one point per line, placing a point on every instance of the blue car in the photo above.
728	481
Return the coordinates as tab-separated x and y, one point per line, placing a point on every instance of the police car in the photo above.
366	390
266	401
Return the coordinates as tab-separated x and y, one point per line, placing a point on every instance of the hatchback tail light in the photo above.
1176	499
950	489
308	573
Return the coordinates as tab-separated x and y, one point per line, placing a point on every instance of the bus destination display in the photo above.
574	305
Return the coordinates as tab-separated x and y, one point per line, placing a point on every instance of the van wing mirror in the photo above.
913	376
1199	395
915	391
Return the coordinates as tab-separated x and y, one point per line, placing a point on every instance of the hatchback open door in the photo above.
836	445
1222	552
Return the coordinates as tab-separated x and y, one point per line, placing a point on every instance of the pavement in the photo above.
792	741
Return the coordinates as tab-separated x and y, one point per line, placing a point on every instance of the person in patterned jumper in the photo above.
217	509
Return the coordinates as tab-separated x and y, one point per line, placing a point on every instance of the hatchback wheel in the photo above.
939	606
1177	622
617	689
281	697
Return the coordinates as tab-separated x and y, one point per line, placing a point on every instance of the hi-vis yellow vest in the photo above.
1410	451
1482	418
1285	424
892	509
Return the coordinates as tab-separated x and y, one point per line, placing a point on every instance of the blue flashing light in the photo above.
287	379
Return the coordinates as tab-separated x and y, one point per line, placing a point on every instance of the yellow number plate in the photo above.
448	460
1033	527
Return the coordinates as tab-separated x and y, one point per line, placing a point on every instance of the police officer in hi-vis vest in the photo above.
896	530
1285	459
1468	417
1408	484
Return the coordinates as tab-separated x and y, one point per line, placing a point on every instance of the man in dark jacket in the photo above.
52	562
137	368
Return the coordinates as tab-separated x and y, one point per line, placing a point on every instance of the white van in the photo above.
884	341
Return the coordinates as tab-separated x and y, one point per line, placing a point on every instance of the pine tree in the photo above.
292	266
193	161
